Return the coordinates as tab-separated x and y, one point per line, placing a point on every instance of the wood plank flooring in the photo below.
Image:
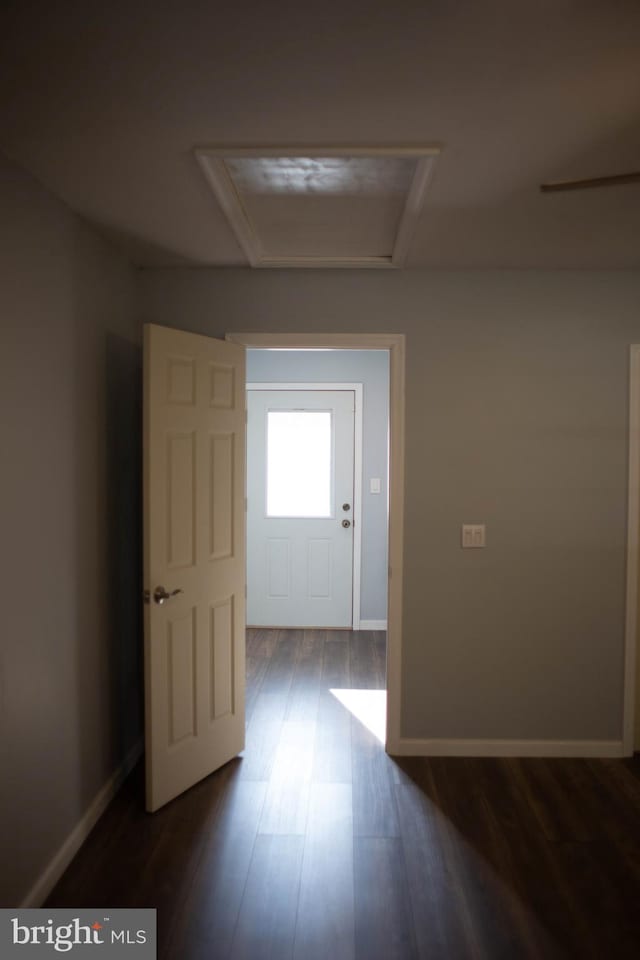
317	846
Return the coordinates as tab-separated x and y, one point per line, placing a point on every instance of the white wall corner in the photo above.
372	625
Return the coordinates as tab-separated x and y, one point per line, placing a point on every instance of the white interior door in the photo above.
300	481
194	557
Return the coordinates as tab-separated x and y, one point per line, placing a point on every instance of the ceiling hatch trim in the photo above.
218	164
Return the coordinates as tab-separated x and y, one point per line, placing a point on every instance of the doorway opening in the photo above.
382	485
317	482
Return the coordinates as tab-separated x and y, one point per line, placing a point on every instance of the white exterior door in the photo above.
300	481
194	557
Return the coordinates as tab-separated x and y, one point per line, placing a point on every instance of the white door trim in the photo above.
631	727
357	474
395	344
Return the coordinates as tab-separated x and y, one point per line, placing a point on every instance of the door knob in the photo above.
346	523
160	595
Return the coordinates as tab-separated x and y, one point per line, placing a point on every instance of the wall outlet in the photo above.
473	535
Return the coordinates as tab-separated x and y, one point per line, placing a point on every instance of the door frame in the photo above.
394	344
631	713
356	560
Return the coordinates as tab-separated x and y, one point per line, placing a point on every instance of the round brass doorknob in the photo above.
346	523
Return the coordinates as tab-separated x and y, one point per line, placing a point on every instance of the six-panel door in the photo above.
194	449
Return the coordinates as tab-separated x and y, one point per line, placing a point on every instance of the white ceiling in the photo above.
106	102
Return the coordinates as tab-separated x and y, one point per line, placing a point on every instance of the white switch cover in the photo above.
375	485
473	535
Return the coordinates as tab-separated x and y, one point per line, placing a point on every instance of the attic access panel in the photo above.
321	207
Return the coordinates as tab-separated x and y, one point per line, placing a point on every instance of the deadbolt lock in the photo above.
346	506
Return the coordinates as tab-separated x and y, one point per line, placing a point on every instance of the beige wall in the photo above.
69	652
517	417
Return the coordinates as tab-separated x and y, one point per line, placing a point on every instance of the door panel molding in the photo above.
394	343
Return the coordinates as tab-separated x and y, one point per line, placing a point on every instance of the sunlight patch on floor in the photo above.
367	706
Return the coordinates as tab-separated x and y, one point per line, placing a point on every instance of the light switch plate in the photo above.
473	535
375	485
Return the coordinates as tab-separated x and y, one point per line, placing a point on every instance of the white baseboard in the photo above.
408	747
373	625
61	860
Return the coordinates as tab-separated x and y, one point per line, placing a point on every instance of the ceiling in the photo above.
107	103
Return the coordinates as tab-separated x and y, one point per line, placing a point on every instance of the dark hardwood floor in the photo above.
316	845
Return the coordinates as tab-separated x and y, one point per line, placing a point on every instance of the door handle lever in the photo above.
160	595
